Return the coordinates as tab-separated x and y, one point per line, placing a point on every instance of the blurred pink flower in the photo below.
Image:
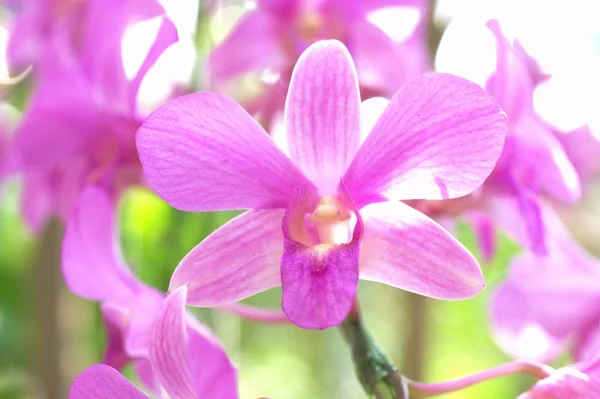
533	162
578	381
438	138
80	123
549	302
274	34
93	268
582	148
188	363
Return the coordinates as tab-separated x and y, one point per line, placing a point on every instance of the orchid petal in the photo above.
188	364
166	36
383	65
322	113
256	313
61	116
143	311
101	43
543	301
91	261
439	138
115	318
234	56
319	284
215	276
204	152
511	84
403	248
485	232
37	202
103	382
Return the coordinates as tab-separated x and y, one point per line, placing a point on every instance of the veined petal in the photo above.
91	261
439	138
204	152
236	261
103	382
234	56
319	283
403	248
188	364
322	113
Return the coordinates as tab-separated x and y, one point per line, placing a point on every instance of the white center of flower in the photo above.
332	221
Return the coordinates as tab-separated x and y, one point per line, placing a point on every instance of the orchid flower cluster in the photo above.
329	194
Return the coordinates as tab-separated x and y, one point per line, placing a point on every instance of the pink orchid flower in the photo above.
189	364
281	30
549	302
93	268
79	126
582	147
577	381
533	162
37	22
331	211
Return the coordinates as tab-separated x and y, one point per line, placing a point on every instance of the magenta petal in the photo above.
103	382
143	308
547	299
60	118
319	283
403	248
236	261
204	152
439	138
166	36
485	232
512	83
115	318
37	201
234	56
322	113
188	363
91	261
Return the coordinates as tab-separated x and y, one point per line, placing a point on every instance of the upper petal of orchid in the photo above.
439	138
100	47
103	382
166	36
188	363
512	83
384	65
404	248
322	113
234	56
91	261
318	281
204	152
253	245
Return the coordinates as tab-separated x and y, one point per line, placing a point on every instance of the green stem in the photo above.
376	372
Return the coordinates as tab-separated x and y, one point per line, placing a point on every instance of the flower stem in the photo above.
375	371
422	389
